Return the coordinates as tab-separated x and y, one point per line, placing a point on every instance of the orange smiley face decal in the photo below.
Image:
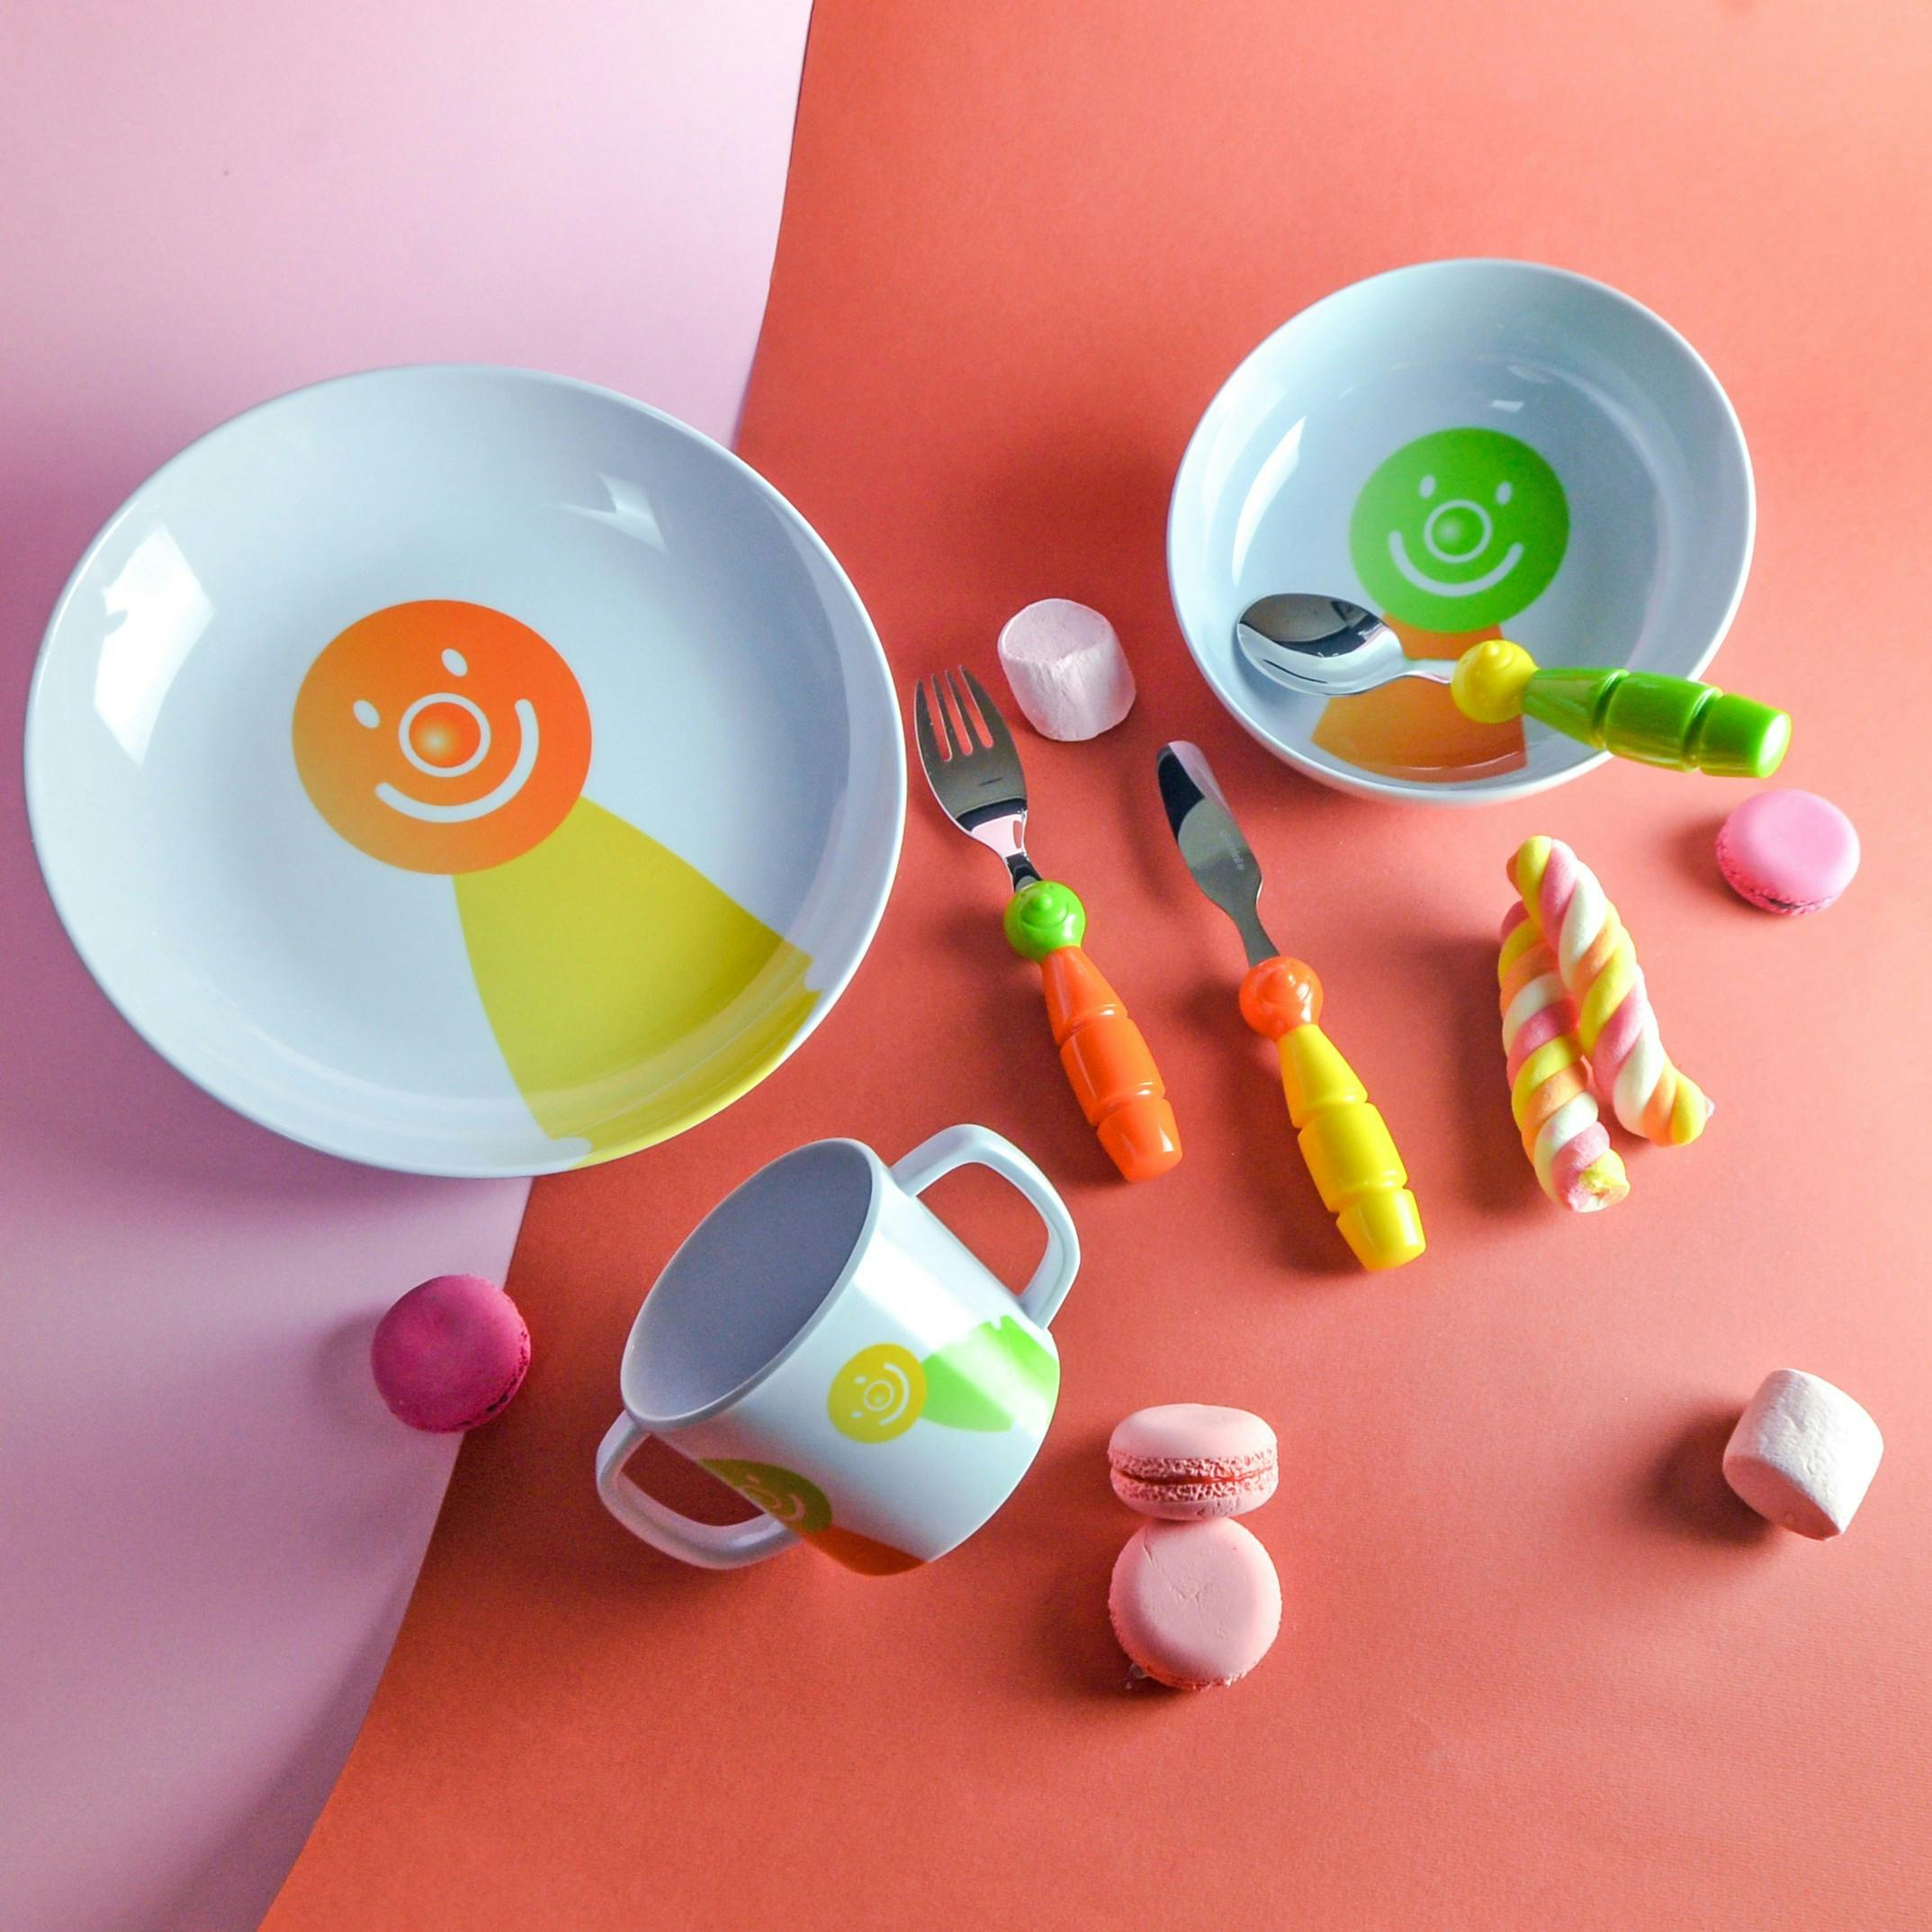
442	737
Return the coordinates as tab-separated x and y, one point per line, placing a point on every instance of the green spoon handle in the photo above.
1673	722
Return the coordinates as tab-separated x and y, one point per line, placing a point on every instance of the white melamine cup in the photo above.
826	1345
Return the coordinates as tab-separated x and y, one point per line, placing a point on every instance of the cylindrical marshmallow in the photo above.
1068	669
1803	1454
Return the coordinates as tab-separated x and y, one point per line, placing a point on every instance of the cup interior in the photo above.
749	1281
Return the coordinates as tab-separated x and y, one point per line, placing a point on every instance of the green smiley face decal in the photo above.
797	1501
1459	530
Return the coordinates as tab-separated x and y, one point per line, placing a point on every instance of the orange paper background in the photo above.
1538	1669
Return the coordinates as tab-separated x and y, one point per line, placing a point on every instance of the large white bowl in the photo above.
1646	446
627	632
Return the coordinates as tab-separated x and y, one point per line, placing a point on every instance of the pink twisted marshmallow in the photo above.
1549	1077
1614	1021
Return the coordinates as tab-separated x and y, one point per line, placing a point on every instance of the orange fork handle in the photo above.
1109	1066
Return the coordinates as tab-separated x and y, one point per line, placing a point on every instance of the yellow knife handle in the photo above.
1344	1138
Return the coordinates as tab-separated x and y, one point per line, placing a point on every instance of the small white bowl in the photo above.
465	770
1634	497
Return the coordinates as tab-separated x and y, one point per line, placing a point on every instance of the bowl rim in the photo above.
41	806
1459	793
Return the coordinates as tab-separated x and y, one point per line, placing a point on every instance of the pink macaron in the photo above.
451	1353
1187	1461
1788	851
1195	1605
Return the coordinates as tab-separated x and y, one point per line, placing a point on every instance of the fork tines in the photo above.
968	719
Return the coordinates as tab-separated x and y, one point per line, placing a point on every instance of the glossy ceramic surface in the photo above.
465	770
1470	448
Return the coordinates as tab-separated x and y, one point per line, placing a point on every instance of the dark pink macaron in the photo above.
1185	1461
1788	851
451	1353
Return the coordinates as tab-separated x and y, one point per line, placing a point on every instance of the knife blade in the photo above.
1221	860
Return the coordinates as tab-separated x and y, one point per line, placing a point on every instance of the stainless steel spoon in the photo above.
1326	647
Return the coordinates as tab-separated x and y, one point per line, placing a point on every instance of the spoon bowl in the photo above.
1326	647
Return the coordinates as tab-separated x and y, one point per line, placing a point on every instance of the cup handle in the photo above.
709	1545
966	1147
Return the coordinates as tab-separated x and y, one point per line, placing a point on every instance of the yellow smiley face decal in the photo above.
878	1394
441	736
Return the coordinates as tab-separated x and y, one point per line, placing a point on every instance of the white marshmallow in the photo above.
1068	669
1803	1454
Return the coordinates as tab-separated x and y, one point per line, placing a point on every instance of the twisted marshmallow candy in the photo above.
1549	1077
1614	1020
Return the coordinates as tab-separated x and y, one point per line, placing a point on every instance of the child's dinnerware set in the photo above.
474	772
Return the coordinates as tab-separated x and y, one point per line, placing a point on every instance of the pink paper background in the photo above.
210	1524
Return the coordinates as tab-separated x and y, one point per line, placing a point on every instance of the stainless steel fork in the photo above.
976	778
972	766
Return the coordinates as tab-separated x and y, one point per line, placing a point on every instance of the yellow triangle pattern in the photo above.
630	996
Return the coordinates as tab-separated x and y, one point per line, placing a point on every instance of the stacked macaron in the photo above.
1195	1600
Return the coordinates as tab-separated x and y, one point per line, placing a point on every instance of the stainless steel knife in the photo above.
1344	1138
